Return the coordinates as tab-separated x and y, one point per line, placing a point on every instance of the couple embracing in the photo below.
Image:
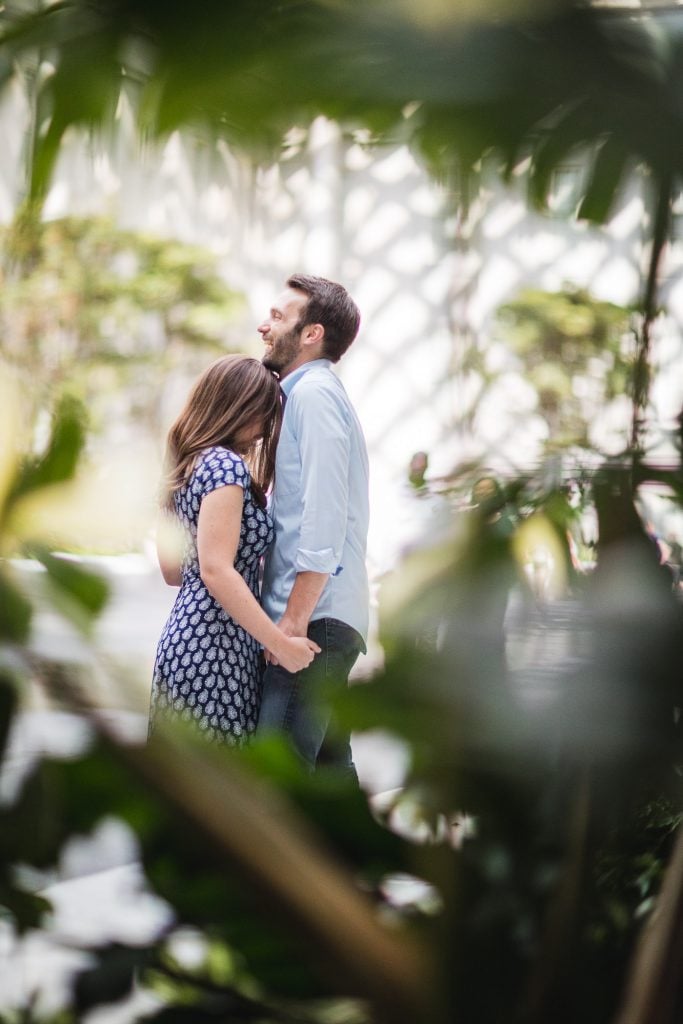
242	433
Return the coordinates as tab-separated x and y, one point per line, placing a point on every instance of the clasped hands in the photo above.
297	651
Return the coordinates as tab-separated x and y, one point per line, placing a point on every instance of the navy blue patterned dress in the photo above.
207	668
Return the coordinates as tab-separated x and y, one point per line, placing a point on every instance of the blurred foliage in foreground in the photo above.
459	81
287	884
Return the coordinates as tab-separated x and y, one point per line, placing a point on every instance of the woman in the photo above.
220	459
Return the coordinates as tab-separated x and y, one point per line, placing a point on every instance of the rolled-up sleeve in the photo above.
322	429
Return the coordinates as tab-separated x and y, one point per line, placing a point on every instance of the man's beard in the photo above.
284	351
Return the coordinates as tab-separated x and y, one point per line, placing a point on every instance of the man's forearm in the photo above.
304	596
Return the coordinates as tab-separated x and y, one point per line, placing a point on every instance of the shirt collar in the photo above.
290	380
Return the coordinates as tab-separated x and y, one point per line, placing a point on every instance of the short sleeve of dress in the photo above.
219	468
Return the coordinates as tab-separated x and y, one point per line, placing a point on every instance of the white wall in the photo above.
427	280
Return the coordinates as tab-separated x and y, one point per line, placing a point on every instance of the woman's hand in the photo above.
296	652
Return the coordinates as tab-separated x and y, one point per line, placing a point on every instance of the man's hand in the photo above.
308	586
293	625
290	625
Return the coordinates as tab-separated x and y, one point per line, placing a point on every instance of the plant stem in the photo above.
641	370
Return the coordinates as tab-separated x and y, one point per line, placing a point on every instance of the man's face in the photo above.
280	334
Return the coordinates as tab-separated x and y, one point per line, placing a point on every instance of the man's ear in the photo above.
313	334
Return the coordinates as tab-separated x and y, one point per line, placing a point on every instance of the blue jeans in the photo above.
297	703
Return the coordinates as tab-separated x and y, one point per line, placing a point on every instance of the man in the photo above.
315	579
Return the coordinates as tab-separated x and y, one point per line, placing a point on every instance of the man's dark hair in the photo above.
330	305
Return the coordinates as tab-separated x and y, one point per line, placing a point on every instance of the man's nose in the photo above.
262	328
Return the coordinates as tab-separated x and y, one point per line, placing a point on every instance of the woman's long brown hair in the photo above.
231	396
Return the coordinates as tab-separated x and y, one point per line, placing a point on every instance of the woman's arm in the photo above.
218	533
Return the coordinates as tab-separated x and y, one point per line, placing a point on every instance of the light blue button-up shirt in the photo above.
320	501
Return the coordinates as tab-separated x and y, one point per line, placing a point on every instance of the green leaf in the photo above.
33	828
15	612
27	909
8	706
112	978
607	173
87	589
58	462
571	131
44	158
